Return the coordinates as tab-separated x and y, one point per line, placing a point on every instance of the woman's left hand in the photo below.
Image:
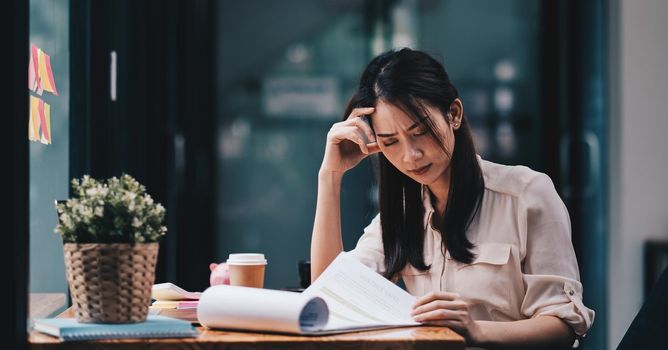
447	309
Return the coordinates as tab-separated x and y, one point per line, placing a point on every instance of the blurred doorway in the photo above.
284	74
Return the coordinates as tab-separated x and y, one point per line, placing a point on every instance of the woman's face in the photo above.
409	146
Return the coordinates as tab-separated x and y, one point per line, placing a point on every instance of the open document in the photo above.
348	296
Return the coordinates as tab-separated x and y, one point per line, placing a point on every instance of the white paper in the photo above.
359	297
347	296
170	291
224	306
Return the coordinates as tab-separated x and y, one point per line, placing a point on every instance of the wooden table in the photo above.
441	338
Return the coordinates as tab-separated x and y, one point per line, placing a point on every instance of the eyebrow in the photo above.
421	121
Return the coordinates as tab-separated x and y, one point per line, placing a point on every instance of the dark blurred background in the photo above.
221	109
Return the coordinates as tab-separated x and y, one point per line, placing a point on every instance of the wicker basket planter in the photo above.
110	282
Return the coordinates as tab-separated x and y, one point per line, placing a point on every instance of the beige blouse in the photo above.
525	265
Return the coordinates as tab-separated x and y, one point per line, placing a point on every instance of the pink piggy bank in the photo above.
220	274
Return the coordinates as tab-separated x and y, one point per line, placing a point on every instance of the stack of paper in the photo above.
170	291
175	304
173	301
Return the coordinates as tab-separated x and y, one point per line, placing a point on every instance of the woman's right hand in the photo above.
348	142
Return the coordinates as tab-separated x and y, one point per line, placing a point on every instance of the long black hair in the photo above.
413	80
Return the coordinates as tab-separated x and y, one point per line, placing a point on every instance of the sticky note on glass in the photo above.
40	74
39	125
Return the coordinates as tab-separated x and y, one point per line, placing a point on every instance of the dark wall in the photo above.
159	127
14	150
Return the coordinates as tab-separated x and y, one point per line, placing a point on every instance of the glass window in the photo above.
491	51
48	133
284	75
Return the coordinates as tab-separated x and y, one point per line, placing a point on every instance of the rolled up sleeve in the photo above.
369	249
549	269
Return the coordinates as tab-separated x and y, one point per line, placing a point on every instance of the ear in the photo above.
212	266
456	113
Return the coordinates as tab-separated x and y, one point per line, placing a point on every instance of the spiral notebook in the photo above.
155	326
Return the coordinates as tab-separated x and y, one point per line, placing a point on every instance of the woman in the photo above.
485	247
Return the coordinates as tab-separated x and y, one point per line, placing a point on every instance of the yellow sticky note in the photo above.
46	129
46	74
33	127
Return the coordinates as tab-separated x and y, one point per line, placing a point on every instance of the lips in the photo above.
421	170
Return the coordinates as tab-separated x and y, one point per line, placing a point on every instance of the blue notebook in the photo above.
155	326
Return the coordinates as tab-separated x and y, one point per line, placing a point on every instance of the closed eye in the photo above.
390	143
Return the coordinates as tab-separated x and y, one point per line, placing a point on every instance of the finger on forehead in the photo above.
362	124
361	111
359	120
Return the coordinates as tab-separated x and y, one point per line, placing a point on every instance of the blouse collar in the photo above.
426	203
426	198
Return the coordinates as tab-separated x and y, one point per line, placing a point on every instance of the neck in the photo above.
440	190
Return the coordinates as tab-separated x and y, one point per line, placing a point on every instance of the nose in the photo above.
412	154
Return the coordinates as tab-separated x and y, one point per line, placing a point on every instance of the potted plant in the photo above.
110	231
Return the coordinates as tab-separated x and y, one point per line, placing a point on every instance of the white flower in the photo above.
116	210
136	223
65	220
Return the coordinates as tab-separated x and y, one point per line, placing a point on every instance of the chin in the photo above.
433	177
426	182
422	180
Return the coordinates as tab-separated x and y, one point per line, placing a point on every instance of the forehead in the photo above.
389	118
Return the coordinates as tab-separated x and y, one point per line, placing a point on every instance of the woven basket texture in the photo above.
110	283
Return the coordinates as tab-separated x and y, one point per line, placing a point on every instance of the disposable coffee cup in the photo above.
246	269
